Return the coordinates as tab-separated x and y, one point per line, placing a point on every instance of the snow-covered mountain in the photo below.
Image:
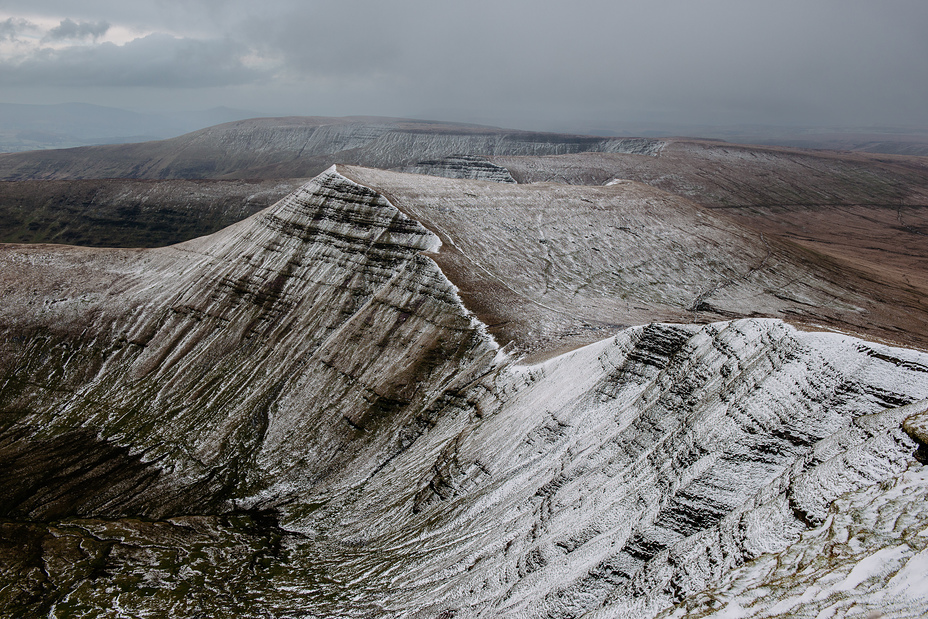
398	395
300	146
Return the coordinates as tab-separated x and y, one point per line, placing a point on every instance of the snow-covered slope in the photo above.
229	345
868	559
549	265
300	147
862	211
300	416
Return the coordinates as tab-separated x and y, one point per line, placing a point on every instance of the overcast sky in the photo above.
518	63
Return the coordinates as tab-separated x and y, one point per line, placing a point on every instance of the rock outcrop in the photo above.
548	265
298	416
627	476
463	166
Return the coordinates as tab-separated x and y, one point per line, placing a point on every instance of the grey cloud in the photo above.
328	39
69	29
12	27
523	62
155	61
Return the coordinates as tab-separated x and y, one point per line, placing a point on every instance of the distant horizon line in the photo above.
601	125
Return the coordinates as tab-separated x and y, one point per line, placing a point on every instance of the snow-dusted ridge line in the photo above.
625	476
334	171
314	363
433	248
551	266
195	341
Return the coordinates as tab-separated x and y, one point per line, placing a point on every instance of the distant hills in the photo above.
865	209
26	127
299	147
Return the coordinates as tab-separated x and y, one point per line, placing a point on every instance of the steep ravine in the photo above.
297	416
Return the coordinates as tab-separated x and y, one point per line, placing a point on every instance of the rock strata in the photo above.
298	416
463	166
234	344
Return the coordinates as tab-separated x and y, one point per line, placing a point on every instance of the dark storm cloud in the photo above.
714	61
70	29
522	62
154	61
331	40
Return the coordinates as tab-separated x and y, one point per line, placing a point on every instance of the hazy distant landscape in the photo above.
38	127
68	125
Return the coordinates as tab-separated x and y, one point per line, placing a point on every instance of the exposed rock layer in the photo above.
311	423
463	166
628	475
548	264
229	345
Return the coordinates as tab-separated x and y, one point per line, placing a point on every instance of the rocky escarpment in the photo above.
298	416
300	147
463	166
624	477
868	559
545	265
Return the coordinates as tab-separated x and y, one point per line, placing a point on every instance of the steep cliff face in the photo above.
473	167
547	264
215	355
298	416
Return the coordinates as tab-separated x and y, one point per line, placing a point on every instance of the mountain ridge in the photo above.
293	147
550	241
299	415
